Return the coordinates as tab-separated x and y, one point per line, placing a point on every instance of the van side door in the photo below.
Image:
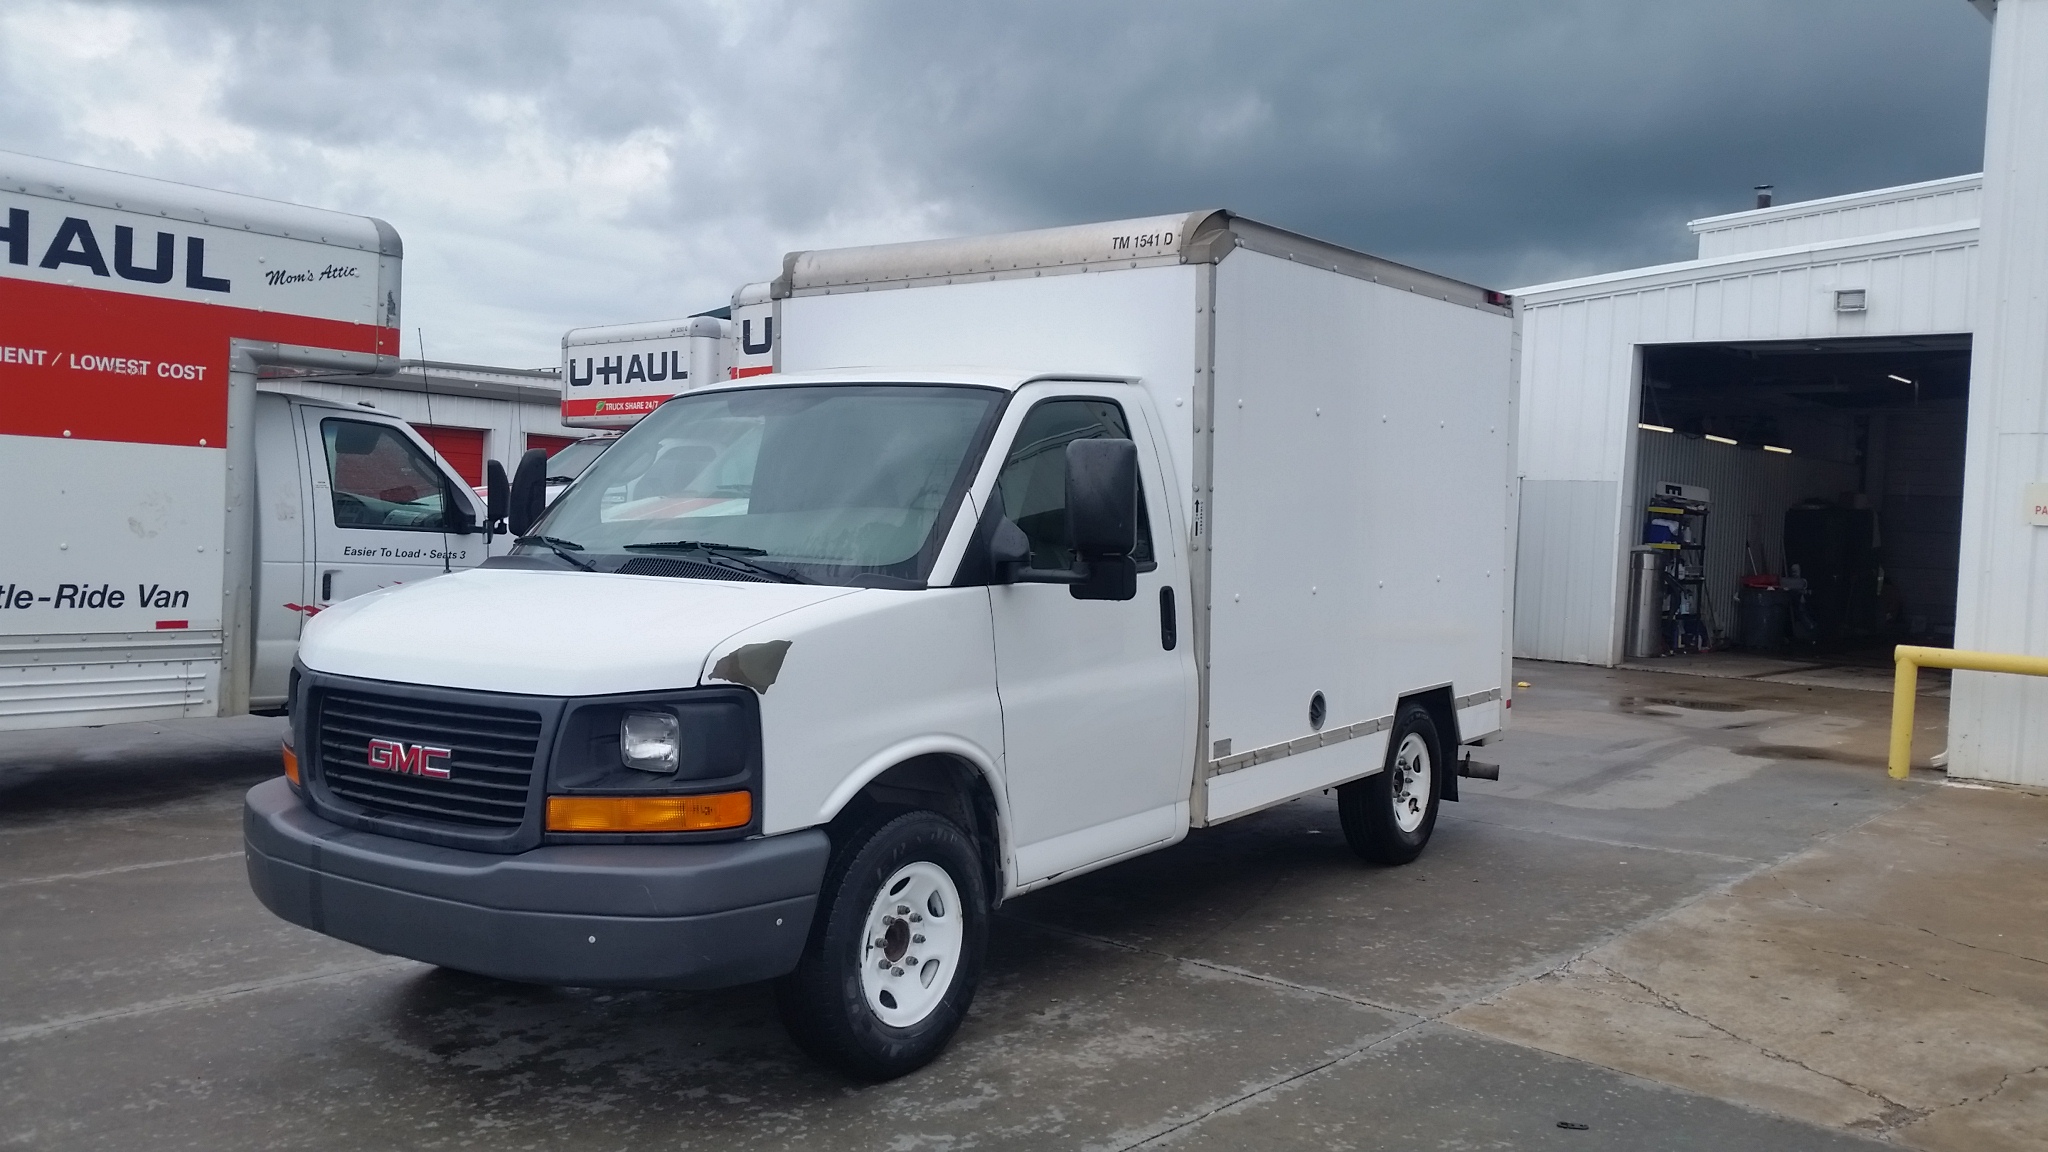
1098	696
380	505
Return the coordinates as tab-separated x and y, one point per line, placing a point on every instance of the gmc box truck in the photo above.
1038	551
168	529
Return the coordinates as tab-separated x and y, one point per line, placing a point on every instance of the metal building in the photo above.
1813	327
1856	383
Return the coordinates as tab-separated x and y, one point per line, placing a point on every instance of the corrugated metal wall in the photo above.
1578	397
1928	205
1920	515
1749	492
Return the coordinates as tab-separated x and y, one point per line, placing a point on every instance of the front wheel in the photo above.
1389	815
896	951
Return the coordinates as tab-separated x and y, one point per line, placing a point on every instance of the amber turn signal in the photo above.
650	813
291	764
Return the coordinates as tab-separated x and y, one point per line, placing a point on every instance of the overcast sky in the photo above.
554	165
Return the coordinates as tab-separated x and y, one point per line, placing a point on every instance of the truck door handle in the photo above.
1169	628
327	586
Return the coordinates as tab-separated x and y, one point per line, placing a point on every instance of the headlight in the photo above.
683	742
650	741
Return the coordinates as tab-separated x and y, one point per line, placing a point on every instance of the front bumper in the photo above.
603	915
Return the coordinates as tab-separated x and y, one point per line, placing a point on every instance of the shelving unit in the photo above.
1678	527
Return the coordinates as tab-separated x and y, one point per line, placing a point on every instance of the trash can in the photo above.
1646	604
1764	618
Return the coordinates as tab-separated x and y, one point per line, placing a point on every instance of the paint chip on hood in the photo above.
754	665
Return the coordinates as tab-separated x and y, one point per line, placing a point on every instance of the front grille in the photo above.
691	569
490	765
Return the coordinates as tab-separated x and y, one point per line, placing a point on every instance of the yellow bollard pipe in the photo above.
1905	692
1910	658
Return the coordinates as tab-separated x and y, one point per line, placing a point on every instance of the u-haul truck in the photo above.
169	529
754	347
614	374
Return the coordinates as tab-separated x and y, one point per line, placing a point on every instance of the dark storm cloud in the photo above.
553	164
1495	140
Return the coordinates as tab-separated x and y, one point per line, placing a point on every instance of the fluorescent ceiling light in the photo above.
1895	376
1719	439
1775	448
1653	427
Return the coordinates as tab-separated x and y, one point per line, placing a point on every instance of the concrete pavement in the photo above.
1255	985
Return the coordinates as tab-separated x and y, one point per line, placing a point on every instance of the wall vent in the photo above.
1849	300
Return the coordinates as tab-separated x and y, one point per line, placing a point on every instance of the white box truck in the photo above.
614	374
168	529
1120	530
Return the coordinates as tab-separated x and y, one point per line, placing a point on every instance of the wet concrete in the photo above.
1892	980
1255	985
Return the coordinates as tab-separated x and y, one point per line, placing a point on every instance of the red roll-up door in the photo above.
463	448
548	444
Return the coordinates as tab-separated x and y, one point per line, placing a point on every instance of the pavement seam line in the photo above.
52	879
1794	894
1463	819
1214	966
1441	1016
192	999
1269	1087
1672	1004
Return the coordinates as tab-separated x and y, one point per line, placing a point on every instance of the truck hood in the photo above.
544	633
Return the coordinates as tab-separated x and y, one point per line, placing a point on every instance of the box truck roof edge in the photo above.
192	204
1200	237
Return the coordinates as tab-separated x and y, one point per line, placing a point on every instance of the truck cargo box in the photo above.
1344	427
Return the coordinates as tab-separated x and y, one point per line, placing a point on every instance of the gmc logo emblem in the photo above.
408	760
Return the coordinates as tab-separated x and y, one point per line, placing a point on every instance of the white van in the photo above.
1127	529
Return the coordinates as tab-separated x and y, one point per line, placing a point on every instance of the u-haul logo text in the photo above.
409	759
145	260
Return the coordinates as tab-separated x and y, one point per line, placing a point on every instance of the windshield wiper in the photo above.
699	545
734	553
560	547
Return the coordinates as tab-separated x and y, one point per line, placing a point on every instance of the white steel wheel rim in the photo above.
911	947
1411	782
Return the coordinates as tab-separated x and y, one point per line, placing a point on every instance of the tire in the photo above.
1389	815
897	890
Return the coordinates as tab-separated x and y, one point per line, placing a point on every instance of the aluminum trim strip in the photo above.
1308	743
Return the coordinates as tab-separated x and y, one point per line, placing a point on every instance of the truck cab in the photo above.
349	500
648	792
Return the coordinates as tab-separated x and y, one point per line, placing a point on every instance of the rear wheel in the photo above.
896	950
1389	815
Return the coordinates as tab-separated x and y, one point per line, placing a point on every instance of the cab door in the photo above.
381	506
1098	696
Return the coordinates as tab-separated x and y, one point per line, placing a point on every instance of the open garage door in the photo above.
1818	500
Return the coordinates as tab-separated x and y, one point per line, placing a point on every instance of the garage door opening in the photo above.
1800	501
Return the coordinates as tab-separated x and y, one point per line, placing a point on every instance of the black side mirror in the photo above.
456	517
529	492
1102	498
497	495
1102	516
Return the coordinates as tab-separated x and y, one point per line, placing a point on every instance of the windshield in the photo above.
569	463
837	484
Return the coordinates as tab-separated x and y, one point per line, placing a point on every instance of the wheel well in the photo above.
938	783
1443	711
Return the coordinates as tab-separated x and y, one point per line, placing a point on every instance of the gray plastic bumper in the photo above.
655	915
